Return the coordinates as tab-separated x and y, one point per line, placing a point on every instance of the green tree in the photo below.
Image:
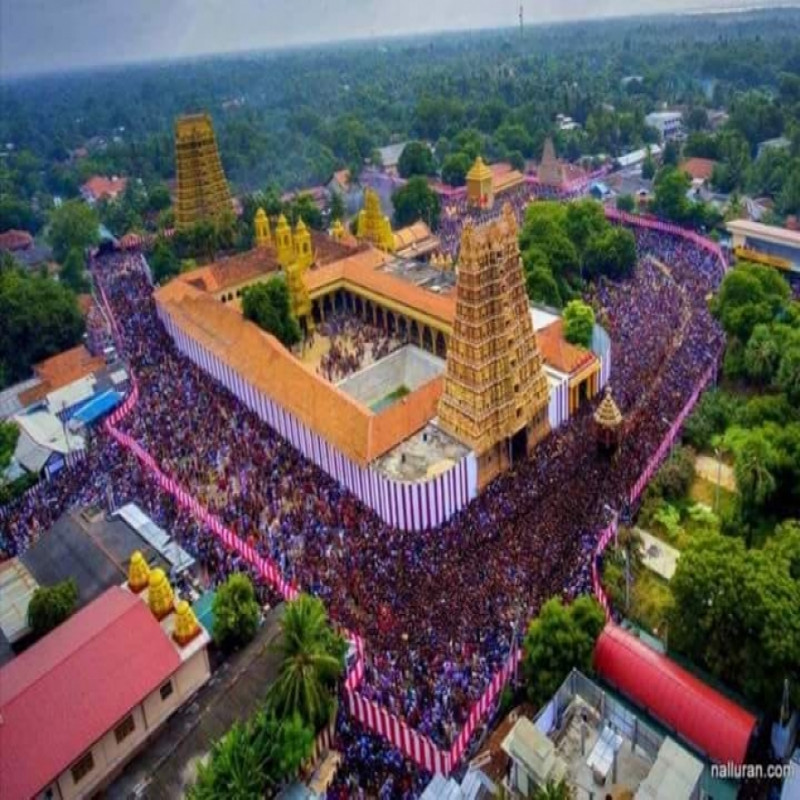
555	790
312	659
754	468
268	305
648	166
9	434
306	209
164	262
578	323
542	287
415	201
236	612
558	640
669	199
416	159
40	318
51	605
671	154
336	209
626	202
789	375
158	198
455	169
761	356
611	253
73	273
584	220
72	225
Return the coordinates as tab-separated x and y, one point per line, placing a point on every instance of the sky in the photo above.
49	35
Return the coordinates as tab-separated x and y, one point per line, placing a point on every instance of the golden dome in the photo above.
186	625
160	595
608	414
138	572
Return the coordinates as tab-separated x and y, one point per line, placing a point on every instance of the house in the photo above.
83	700
669	124
699	170
98	188
778	143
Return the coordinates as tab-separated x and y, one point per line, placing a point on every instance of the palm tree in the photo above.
555	791
232	769
312	661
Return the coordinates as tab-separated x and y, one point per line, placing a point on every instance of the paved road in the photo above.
708	468
167	765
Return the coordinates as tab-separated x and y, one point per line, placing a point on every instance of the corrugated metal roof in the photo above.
30	455
712	723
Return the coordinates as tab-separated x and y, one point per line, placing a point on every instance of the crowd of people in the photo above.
529	536
354	344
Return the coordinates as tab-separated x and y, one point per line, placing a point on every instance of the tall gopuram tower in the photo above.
496	396
480	188
373	226
202	189
550	171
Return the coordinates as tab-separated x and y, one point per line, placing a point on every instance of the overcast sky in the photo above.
44	35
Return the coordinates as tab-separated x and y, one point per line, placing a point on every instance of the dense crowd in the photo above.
354	344
529	536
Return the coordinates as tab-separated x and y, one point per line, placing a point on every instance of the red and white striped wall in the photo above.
408	506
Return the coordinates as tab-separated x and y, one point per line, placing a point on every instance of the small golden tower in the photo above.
373	226
480	188
202	192
303	253
608	421
496	396
186	625
160	594
261	229
298	295
337	231
138	572
283	242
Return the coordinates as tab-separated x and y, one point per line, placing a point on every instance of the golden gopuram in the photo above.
480	185
373	226
495	397
202	189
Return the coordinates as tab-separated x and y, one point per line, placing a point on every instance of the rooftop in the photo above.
71	687
15	240
699	169
59	371
769	232
99	187
558	353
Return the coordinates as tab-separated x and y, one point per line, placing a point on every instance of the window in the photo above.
166	690
124	729
83	767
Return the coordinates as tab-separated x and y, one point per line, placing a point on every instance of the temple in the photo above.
373	226
480	191
496	393
203	192
550	172
417	382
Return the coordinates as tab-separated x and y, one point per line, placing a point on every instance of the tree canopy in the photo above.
578	323
268	305
559	639
416	201
74	225
236	612
51	605
416	159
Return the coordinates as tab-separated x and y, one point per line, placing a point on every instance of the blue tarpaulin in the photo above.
97	406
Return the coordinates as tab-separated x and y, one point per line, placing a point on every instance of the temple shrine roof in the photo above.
608	414
558	353
479	171
416	239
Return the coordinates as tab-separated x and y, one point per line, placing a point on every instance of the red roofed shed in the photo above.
707	720
64	693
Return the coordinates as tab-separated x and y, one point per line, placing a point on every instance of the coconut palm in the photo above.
312	661
233	769
555	791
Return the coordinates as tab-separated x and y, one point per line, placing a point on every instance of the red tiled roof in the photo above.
715	725
60	370
99	187
15	240
699	169
73	686
558	353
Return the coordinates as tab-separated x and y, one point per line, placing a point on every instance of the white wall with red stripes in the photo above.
409	506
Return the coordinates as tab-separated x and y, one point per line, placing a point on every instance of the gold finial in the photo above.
186	625
160	594
138	572
608	414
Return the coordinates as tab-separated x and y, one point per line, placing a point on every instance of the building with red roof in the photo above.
714	725
98	188
78	704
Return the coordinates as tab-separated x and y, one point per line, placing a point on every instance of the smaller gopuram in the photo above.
550	172
299	298
283	242
303	252
480	185
202	192
496	395
373	225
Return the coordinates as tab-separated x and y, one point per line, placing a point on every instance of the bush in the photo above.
578	323
674	478
51	605
236	612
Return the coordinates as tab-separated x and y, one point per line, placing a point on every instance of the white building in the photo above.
669	124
